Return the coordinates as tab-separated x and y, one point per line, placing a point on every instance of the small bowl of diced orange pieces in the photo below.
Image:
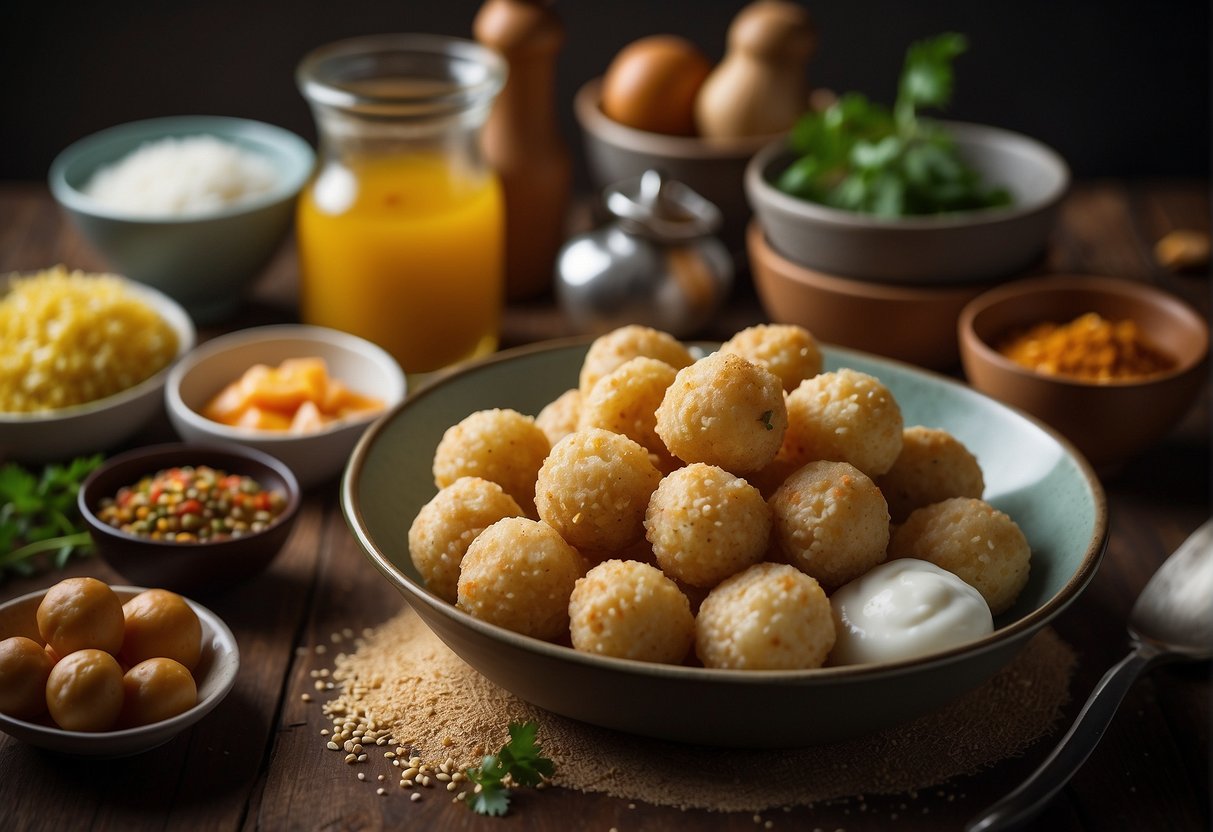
303	394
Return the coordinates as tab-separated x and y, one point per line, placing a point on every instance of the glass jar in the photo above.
401	230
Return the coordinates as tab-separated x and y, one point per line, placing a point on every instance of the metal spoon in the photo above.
1171	620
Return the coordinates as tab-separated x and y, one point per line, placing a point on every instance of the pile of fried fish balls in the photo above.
742	510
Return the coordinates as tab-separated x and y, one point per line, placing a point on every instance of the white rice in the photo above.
180	176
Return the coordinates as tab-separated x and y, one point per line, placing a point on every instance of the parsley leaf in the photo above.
519	762
859	155
38	515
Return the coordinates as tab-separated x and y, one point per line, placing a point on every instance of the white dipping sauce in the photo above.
905	608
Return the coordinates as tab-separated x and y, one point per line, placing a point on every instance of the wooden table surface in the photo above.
258	761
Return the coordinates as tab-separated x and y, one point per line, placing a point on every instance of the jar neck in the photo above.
348	135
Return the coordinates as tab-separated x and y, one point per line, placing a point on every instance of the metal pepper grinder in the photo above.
655	263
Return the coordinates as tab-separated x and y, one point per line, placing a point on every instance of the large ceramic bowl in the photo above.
961	247
214	675
207	260
713	168
1110	421
315	457
1031	473
58	435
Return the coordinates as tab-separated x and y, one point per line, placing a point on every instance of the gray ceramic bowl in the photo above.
956	248
215	675
715	169
205	261
58	435
1031	473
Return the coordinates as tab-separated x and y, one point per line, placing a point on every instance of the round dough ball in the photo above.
706	524
24	668
499	445
725	411
772	616
973	540
933	465
630	610
845	416
84	691
559	417
154	690
519	574
447	525
81	612
625	401
789	351
625	343
831	522
594	488
160	623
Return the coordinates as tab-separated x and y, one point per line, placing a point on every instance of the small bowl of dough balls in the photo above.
684	541
95	670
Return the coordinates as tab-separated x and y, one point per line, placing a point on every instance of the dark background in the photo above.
1119	87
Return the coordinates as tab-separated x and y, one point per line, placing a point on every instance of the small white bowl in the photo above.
215	675
56	435
314	457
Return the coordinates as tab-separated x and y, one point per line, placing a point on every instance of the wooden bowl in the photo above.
916	324
1109	422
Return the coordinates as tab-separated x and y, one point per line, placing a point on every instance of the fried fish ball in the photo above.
933	465
772	616
24	668
706	524
447	525
499	445
625	401
789	351
974	541
81	612
845	416
630	610
161	624
559	417
519	574
625	343
594	488
725	411
831	522
156	689
84	691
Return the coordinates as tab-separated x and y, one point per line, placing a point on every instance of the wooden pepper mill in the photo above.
760	86
522	139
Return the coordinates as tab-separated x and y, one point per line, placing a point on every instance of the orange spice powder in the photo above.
1090	348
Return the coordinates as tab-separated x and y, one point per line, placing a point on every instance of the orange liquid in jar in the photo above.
408	252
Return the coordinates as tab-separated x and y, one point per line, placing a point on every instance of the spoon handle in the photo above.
1072	751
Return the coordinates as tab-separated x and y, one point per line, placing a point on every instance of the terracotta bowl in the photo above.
962	247
916	324
1108	422
715	169
188	568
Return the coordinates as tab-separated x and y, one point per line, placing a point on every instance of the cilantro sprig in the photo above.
518	763
39	520
859	155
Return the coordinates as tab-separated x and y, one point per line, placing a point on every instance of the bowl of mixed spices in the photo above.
190	517
1114	364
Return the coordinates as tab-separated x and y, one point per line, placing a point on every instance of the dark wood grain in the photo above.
259	762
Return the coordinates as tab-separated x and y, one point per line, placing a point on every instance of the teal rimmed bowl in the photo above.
1031	473
205	261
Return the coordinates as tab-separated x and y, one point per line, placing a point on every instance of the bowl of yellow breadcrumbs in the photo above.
83	361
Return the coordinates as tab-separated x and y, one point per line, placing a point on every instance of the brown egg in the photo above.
81	612
24	667
84	691
652	84
156	689
160	623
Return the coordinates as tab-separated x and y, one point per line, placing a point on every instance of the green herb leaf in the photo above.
765	418
519	761
38	515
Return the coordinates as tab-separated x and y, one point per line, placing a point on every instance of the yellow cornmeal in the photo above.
71	338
